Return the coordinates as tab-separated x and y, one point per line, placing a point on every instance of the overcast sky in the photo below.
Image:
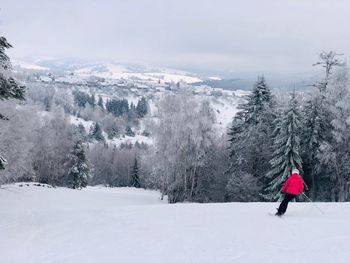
217	35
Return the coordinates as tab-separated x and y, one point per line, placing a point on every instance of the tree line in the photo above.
118	107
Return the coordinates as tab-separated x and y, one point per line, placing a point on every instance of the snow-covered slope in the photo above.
97	224
115	71
27	65
81	71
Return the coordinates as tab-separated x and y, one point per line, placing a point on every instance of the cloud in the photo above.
222	35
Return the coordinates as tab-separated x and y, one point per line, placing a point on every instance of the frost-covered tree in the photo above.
286	148
317	127
135	177
334	154
81	132
96	132
112	166
142	107
129	131
183	139
53	143
17	140
100	103
79	170
81	99
117	107
9	88
249	135
313	133
328	60
3	162
242	188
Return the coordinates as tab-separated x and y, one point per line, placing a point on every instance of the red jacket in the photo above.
293	185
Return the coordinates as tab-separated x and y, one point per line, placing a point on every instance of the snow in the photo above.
45	79
98	224
215	78
71	79
131	140
26	65
76	121
168	77
115	71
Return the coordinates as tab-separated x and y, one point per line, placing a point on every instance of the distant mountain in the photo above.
110	70
115	71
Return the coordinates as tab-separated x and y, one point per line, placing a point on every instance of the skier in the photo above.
291	189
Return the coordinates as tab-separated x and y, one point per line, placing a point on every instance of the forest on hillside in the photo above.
272	133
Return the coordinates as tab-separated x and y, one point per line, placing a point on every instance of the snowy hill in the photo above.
97	224
45	78
83	71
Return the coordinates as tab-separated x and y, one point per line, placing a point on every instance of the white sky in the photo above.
219	35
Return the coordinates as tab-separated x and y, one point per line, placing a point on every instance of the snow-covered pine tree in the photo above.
312	135
135	175
96	132
249	135
142	107
254	115
93	100
100	103
129	131
9	88
286	146
79	171
3	162
81	132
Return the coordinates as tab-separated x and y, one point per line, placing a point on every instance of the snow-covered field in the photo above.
97	224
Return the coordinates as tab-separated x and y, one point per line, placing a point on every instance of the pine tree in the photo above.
100	103
249	135
259	101
286	145
79	171
9	88
81	132
129	131
93	101
142	107
255	114
312	135
3	162
117	107
96	132
135	178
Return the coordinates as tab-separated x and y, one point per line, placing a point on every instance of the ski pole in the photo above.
313	203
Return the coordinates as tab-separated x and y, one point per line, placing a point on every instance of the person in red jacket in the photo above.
291	188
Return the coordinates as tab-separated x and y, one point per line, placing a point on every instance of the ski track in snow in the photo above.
98	224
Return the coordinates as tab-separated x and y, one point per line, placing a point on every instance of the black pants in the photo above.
283	206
